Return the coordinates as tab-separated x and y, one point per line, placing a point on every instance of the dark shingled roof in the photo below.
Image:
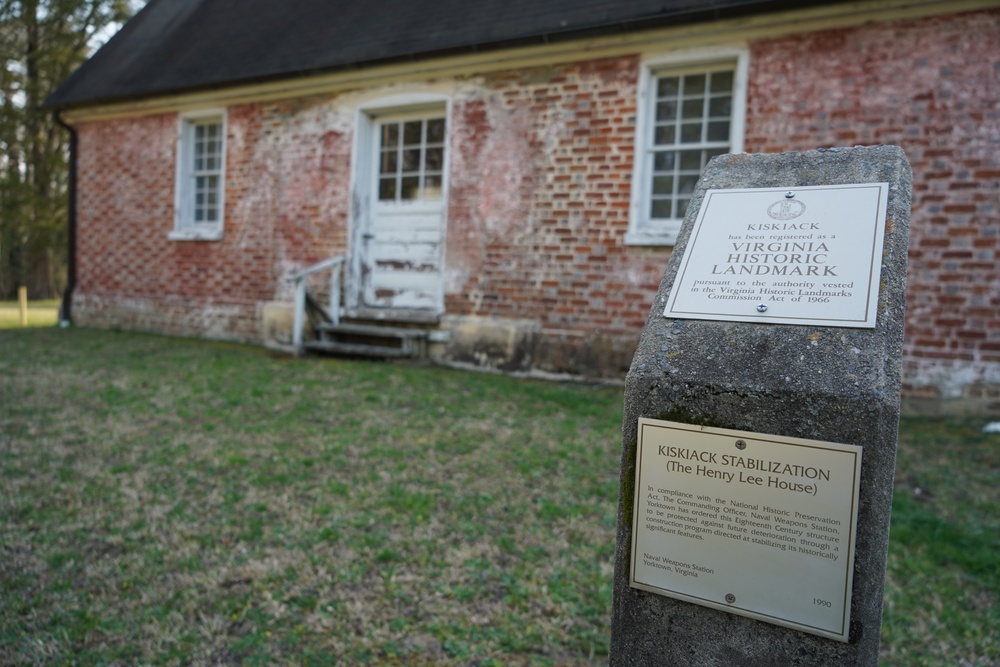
176	46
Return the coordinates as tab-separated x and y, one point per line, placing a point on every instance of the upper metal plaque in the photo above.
801	255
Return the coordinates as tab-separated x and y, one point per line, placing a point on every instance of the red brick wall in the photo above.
931	86
538	209
286	195
540	182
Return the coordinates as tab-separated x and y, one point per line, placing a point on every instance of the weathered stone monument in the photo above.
761	414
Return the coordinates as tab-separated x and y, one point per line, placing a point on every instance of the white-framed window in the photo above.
690	108
411	159
201	165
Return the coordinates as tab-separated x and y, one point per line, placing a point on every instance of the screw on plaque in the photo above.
741	445
730	598
762	308
789	194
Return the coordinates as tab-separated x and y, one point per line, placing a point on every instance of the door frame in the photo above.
363	180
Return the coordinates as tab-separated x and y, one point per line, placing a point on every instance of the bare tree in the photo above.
41	43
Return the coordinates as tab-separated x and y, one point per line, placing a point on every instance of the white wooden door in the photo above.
402	245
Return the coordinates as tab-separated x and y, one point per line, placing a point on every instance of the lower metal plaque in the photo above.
752	524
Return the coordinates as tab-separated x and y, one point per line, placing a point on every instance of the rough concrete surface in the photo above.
823	383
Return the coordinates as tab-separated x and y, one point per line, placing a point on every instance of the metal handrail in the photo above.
298	322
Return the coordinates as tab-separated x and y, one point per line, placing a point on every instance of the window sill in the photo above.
196	234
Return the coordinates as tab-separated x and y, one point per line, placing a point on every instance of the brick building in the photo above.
511	176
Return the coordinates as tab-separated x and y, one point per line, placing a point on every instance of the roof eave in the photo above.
675	19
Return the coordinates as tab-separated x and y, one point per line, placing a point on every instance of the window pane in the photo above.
434	159
665	135
667	86
691	160
685	184
664	160
694	84
412	132
718	130
711	153
410	188
682	207
661	208
722	82
693	108
390	135
432	187
387	189
666	110
389	162
435	131
720	106
663	185
411	159
691	133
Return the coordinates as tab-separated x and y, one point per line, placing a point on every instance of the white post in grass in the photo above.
22	297
298	322
335	294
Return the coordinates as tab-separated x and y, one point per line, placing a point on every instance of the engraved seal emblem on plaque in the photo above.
786	209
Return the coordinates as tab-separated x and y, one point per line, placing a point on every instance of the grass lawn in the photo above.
167	501
40	313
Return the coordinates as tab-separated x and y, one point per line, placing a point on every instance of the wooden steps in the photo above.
367	340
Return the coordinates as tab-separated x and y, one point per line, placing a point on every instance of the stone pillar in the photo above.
833	384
